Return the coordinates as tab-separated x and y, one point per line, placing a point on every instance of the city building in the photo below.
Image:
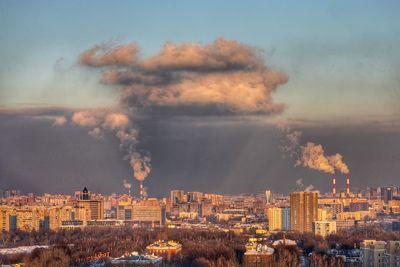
165	249
324	228
286	226
304	210
373	253
194	196
274	219
258	255
148	212
268	196
278	219
392	255
178	196
346	224
94	207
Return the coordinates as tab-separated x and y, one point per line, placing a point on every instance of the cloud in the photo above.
222	54
225	76
108	55
237	92
87	117
96	133
115	121
60	120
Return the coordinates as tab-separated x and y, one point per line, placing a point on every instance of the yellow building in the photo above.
29	218
274	219
324	214
393	206
165	249
93	207
148	212
355	215
304	210
5	213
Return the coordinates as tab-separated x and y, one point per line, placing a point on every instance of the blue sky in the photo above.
342	57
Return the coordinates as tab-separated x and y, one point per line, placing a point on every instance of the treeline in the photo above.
199	247
349	239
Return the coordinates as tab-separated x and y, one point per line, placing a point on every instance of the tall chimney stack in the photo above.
334	185
348	185
141	190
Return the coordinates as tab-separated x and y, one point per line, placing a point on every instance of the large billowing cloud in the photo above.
226	76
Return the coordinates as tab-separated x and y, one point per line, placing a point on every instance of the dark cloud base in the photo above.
192	154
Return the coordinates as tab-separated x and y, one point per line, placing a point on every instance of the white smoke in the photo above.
140	165
127	185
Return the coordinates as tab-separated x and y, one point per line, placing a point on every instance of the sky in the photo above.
341	59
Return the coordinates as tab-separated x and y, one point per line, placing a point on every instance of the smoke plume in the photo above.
313	157
291	143
337	162
140	165
309	155
127	185
300	186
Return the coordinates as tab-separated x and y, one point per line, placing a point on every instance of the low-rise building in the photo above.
324	228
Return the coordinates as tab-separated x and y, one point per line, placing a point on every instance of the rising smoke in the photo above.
140	165
310	155
127	185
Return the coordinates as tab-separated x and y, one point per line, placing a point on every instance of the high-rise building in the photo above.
286	219
94	207
268	196
274	219
215	199
304	210
177	196
278	219
194	196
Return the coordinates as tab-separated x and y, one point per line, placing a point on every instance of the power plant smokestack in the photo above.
128	186
348	185
334	185
141	192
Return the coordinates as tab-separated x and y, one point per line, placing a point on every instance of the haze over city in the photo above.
216	97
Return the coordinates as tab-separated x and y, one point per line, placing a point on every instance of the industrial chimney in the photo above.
334	185
141	190
348	185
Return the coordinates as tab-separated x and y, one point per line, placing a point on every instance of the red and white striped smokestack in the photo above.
348	185
334	185
141	190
